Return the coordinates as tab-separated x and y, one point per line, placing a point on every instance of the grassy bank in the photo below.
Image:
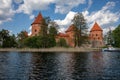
50	49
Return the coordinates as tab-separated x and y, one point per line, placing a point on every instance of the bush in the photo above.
62	43
40	42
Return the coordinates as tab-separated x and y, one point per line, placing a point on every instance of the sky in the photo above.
17	15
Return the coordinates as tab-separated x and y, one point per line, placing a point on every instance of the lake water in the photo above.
60	66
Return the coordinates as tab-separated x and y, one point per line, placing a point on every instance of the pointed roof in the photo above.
71	28
96	27
38	19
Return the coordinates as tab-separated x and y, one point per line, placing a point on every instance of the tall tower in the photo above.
36	25
96	36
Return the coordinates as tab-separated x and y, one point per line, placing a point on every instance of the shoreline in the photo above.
49	49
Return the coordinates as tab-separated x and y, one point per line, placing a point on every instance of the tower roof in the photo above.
71	28
38	19
96	27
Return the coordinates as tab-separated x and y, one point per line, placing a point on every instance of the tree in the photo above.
62	43
39	42
116	36
109	40
44	26
53	28
31	42
21	37
81	29
6	40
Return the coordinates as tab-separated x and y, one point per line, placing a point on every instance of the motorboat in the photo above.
111	49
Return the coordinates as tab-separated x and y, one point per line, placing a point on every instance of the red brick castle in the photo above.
95	36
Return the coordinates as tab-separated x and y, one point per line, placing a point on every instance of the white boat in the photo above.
111	49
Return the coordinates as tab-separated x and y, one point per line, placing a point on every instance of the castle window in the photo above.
96	34
35	30
98	38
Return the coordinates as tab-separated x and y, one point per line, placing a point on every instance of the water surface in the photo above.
60	66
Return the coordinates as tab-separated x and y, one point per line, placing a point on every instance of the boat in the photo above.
111	49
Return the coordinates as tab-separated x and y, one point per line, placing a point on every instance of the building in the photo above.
36	25
68	35
96	36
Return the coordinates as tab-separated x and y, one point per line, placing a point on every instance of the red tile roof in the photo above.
62	35
71	28
96	27
38	19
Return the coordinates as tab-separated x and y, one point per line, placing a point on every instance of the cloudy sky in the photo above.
17	15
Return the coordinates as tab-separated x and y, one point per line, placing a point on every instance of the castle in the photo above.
95	35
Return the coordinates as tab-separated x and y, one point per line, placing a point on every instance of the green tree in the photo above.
6	40
53	28
62	43
44	26
39	42
108	38
31	42
81	29
116	36
21	37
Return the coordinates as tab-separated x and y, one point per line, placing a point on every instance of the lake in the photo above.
60	66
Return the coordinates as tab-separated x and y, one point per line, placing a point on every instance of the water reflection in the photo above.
14	66
95	65
59	66
65	65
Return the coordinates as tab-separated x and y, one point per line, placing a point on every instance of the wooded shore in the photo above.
49	49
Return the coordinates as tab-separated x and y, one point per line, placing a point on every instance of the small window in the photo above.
98	38
35	30
96	34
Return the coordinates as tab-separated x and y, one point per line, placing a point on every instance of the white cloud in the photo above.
104	17
32	16
30	30
6	11
30	5
89	4
63	24
109	5
61	6
64	6
105	30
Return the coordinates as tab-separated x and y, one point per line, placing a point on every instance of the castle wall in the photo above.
35	29
96	38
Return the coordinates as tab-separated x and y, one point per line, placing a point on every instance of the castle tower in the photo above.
36	25
96	36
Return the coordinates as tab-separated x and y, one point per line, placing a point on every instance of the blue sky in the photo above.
17	15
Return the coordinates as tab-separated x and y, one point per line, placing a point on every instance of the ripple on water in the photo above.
59	66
